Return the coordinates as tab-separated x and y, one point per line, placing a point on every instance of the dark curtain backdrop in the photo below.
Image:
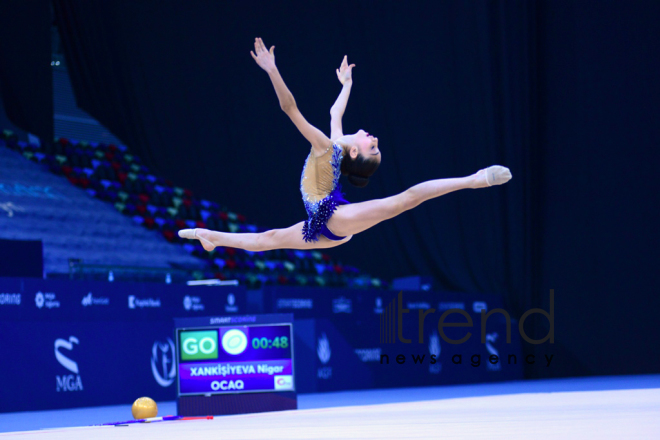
600	113
26	81
545	88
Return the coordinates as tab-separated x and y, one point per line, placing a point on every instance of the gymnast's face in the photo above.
366	145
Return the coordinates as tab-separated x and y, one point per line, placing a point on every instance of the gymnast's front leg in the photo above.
286	238
357	217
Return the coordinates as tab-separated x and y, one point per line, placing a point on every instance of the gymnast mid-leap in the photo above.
333	220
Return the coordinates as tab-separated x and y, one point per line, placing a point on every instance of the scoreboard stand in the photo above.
226	404
234	364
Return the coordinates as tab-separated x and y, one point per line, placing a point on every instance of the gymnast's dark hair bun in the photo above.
358	181
358	170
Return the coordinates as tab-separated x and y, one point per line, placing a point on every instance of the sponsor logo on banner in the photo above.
193	303
47	300
67	382
295	303
231	306
10	299
368	354
284	382
139	303
90	300
379	305
451	305
324	353
418	305
478	306
199	345
342	305
163	366
234	341
490	340
434	350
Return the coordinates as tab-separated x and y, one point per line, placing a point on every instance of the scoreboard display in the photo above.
235	359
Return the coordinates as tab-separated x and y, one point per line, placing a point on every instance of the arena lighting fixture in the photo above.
212	282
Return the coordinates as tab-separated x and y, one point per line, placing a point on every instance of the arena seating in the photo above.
113	174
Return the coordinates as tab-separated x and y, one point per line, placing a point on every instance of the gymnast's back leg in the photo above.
286	238
357	217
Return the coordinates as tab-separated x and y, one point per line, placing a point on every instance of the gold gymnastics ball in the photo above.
144	408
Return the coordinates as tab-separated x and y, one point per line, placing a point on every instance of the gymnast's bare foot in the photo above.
198	234
493	175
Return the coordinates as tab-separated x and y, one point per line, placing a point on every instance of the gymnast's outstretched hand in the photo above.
265	58
345	72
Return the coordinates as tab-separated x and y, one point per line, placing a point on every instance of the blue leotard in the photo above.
321	192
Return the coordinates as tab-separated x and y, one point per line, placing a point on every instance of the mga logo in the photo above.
163	366
199	345
490	340
231	306
67	382
434	350
379	305
324	353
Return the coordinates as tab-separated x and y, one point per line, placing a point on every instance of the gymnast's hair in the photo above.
358	170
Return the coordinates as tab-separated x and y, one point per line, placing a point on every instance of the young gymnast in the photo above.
332	220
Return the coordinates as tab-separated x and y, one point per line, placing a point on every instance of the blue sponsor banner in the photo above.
80	343
59	364
52	300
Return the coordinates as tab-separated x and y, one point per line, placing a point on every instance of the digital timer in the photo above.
279	342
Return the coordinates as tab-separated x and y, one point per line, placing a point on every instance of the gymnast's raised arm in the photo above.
266	60
345	76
